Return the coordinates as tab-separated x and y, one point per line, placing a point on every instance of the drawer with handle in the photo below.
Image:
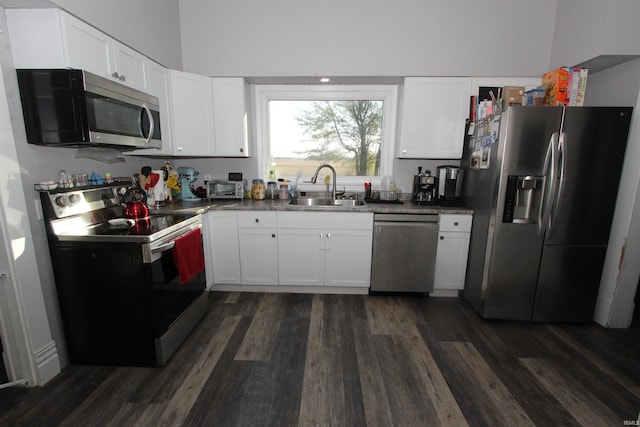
455	222
256	219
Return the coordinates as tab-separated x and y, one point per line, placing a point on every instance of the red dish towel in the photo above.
188	256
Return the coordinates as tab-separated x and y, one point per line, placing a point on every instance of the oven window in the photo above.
170	297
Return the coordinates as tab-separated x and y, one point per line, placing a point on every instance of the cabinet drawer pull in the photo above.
441	237
273	235
257	219
455	223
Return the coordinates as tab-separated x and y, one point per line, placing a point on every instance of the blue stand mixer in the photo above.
187	176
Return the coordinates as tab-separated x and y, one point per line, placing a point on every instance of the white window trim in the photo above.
387	93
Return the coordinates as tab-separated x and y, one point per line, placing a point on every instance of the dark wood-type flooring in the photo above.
339	360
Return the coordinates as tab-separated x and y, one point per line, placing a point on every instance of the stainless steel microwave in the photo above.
219	189
74	108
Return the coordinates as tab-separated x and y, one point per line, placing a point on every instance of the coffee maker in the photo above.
449	184
425	188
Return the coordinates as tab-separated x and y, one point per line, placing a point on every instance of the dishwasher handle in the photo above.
405	218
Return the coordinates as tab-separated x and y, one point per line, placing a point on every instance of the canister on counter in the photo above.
283	193
258	189
272	190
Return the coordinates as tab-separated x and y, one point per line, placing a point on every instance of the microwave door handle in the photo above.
146	110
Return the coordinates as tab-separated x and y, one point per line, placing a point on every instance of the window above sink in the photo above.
300	127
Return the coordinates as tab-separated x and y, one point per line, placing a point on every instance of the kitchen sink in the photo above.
312	201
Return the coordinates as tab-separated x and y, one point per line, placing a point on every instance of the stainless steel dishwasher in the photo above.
404	252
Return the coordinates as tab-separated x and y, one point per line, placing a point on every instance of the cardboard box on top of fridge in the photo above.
512	95
558	84
565	86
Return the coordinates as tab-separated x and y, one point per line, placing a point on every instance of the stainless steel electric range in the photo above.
117	280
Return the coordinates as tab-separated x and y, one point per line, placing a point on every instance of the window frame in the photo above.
388	93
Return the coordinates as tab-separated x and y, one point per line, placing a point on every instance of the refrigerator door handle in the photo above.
562	149
549	172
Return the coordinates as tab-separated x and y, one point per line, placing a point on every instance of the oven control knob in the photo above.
74	198
62	201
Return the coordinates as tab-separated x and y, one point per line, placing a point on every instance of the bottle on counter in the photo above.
272	172
62	179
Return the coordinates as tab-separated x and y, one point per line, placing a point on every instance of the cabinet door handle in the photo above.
322	235
115	75
455	223
242	150
328	235
273	235
257	219
441	237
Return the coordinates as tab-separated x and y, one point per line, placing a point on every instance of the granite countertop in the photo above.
202	206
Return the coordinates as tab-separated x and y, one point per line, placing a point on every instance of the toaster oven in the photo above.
219	189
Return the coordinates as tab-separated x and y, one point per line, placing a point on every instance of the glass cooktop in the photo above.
122	230
141	227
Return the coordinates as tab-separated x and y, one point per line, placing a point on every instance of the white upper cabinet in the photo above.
159	86
51	38
192	112
85	47
230	102
131	67
595	33
432	117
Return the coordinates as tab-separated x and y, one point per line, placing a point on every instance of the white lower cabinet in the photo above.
453	247
224	247
257	234
325	249
316	249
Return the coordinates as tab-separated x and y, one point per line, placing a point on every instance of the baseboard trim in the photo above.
293	289
447	293
47	362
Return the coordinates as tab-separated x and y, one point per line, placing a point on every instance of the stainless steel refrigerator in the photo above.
543	187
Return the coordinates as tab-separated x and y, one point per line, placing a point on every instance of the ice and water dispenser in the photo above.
523	199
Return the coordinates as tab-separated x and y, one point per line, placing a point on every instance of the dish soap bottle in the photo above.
272	172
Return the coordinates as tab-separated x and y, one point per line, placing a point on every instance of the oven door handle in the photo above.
164	247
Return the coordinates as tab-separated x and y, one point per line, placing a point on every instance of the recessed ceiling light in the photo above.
325	79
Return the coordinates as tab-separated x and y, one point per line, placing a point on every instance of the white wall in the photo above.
149	26
23	306
367	37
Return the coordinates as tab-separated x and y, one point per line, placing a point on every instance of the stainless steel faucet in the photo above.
314	178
